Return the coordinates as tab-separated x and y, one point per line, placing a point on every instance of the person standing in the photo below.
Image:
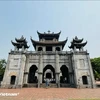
47	83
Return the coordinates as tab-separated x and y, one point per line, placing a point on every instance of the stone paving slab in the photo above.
50	94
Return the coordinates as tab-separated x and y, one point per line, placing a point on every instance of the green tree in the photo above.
96	67
2	68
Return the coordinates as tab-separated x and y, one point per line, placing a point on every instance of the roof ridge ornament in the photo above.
76	37
49	31
22	37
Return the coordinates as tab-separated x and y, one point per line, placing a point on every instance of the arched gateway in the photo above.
49	73
32	78
65	74
72	68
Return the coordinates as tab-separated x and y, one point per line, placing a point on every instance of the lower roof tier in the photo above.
20	45
77	45
49	43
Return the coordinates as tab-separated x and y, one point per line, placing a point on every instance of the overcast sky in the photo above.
73	18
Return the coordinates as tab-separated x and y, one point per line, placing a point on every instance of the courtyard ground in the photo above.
50	94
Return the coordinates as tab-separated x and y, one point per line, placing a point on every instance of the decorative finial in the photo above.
30	37
22	37
76	37
48	31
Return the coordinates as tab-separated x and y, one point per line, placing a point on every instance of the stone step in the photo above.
64	85
30	85
51	85
43	85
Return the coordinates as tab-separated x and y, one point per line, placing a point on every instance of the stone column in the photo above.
15	49
25	77
91	73
21	65
74	48
72	79
74	59
54	49
44	49
81	49
60	48
26	73
57	70
40	72
36	48
23	48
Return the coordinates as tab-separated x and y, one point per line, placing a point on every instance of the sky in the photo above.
72	18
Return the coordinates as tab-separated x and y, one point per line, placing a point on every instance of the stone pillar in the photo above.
21	71
26	70
25	77
54	49
44	49
81	49
40	72
23	48
57	70
91	73
74	48
72	79
15	49
74	59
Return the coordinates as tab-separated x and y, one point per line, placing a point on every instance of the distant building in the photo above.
48	61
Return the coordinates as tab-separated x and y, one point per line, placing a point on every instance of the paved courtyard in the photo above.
50	94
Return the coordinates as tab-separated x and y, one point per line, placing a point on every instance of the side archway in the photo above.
65	74
32	78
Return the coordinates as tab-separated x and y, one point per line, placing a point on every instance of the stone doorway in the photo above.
13	79
49	73
84	79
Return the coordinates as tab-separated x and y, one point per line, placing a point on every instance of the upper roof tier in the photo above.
49	43
76	40
48	36
77	43
22	39
20	43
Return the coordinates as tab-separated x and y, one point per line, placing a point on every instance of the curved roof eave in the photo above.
48	43
78	40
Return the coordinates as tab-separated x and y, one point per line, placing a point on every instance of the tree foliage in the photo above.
96	67
2	68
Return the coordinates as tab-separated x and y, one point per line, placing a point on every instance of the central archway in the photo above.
49	72
32	78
